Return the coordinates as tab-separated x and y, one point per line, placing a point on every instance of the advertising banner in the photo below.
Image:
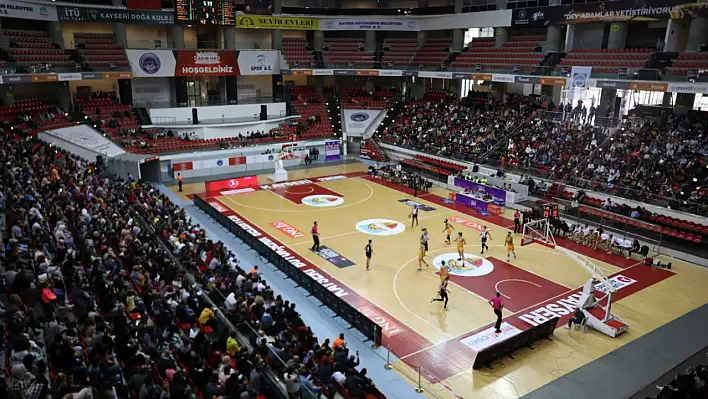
115	15
370	24
498	195
332	150
471	202
152	63
258	62
356	121
611	11
231	184
276	22
22	10
206	63
579	76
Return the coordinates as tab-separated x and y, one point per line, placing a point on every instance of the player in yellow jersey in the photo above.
461	242
509	244
448	230
421	257
444	271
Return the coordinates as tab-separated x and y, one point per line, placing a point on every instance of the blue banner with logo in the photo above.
579	76
334	257
332	152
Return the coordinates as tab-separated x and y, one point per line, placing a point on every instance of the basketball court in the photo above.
351	207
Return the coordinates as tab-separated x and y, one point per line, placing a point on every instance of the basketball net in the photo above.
538	231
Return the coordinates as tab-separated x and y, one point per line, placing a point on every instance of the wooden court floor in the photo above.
541	282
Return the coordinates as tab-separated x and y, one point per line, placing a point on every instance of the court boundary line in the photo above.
458	337
357	231
362	181
395	290
366	298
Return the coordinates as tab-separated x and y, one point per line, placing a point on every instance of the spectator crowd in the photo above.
653	160
110	290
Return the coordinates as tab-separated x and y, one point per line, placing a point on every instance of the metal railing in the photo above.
203	101
165	44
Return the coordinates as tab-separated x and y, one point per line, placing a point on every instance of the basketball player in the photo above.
483	236
414	215
448	230
421	257
443	294
461	242
444	271
509	244
424	239
368	250
517	222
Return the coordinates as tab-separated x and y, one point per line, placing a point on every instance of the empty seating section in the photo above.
688	61
347	52
433	53
100	51
315	122
352	97
451	166
666	225
296	53
114	116
426	167
398	53
607	60
35	47
517	51
31	116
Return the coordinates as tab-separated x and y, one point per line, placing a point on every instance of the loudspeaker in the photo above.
195	116
264	112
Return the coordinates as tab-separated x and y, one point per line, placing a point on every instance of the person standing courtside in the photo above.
179	181
368	250
414	215
315	238
517	222
497	305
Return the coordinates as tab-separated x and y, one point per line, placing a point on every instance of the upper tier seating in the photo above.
296	53
607	60
517	51
100	51
315	122
31	48
345	53
362	99
30	116
398	53
433	53
688	61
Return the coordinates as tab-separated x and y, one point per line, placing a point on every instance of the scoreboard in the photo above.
550	210
205	12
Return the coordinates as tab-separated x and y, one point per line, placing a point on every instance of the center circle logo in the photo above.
472	266
322	201
359	117
150	63
380	227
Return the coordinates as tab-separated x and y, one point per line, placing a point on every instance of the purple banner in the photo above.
498	195
470	202
332	150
